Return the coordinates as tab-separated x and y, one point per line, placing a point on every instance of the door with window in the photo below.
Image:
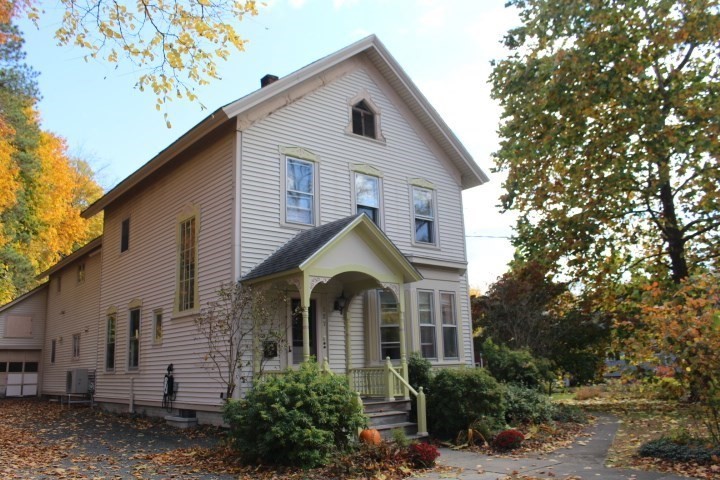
295	333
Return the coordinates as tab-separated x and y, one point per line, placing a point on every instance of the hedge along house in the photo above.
338	182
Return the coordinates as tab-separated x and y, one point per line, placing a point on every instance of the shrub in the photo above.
526	405
460	397
690	450
508	440
423	455
666	388
400	438
569	413
419	375
300	418
515	366
587	393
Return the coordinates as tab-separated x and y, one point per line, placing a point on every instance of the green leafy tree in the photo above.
610	127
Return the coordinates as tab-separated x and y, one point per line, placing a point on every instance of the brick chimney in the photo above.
267	80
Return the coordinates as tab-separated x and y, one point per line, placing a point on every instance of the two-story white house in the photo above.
339	182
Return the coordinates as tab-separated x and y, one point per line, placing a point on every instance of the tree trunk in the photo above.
673	234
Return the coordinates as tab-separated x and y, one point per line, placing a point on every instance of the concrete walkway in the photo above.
584	459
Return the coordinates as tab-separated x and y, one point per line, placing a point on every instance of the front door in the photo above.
296	332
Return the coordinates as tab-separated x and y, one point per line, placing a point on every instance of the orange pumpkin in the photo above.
370	436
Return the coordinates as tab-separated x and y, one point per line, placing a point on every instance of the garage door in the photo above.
21	378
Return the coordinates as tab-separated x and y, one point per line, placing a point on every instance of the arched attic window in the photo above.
364	120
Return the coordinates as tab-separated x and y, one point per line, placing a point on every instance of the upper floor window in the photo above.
53	350
424	215
363	120
300	194
81	273
367	196
187	265
125	235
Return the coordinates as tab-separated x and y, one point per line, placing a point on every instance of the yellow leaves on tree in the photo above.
174	42
63	190
8	169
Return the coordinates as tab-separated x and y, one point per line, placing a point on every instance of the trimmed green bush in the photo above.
301	418
461	397
693	450
516	366
419	375
527	405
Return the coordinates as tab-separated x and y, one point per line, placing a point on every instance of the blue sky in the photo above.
445	46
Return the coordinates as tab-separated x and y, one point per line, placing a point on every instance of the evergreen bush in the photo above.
693	450
460	397
516	366
300	418
527	405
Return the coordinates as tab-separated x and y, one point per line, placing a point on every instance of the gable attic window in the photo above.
363	120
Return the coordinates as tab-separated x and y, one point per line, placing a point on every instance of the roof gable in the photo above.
471	174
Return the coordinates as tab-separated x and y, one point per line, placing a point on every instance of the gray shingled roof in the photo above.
299	248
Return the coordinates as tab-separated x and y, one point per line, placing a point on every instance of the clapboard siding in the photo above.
72	310
147	272
406	154
33	305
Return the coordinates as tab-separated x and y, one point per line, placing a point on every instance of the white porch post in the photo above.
403	344
348	348
305	307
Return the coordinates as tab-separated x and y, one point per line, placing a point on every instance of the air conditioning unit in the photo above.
77	381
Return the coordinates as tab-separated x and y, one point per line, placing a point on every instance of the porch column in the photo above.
348	348
403	344
304	306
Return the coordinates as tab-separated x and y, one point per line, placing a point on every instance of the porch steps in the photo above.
386	416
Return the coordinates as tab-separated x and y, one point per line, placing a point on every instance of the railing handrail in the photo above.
402	380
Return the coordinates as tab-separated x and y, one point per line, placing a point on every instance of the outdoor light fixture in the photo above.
340	302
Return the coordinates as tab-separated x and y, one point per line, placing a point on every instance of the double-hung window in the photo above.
389	325
76	346
363	120
157	326
424	213
449	325
300	194
110	342
367	196
426	319
125	235
134	339
187	265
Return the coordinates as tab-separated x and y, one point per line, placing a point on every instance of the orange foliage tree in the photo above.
684	327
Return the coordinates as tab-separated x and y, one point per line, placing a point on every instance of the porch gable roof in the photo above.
300	251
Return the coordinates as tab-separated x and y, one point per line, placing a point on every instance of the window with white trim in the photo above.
367	196
424	215
428	327
449	325
134	339
300	191
389	325
187	265
110	342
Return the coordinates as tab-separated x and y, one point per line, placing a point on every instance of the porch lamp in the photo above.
340	302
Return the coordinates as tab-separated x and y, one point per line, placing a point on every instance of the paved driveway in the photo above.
585	459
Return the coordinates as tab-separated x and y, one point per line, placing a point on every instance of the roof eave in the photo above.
23	296
80	252
207	125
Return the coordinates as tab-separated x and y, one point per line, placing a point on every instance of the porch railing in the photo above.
387	382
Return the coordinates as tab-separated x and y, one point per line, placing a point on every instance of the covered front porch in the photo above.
345	282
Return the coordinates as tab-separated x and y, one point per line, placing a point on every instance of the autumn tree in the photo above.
609	136
174	44
685	328
42	189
